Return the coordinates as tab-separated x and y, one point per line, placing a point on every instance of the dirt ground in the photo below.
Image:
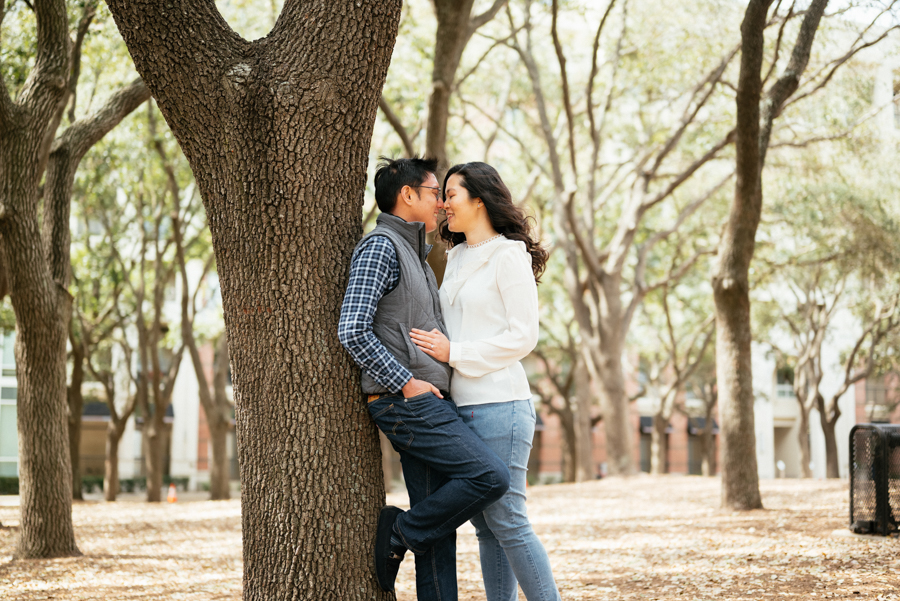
638	538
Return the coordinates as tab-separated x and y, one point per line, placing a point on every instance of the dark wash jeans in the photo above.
451	476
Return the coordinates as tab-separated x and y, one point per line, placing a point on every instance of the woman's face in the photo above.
462	211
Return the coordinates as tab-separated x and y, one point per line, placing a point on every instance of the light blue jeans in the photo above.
510	551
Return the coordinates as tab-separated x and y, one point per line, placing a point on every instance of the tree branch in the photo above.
789	81
46	83
476	22
394	120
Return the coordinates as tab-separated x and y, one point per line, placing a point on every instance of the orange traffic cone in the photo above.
173	494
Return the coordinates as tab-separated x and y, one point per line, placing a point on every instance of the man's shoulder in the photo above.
375	245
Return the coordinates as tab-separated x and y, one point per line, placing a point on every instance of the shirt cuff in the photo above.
455	353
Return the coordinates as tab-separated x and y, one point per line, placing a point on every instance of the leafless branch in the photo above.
478	21
688	172
394	120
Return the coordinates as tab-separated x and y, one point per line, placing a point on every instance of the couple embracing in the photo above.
442	372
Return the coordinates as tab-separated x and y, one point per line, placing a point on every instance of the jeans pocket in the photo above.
418	397
388	421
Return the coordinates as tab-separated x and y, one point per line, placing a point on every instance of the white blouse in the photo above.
490	306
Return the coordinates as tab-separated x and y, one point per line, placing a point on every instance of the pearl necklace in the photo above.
483	242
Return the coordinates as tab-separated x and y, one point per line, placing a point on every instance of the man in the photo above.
451	475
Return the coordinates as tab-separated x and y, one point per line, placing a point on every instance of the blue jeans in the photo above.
451	476
510	550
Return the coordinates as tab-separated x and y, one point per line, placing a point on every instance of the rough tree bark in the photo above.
277	133
731	290
37	285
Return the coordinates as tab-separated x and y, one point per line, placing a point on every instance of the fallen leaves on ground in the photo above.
645	537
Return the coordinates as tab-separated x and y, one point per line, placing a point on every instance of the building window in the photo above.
784	382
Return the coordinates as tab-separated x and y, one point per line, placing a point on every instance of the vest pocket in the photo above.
411	348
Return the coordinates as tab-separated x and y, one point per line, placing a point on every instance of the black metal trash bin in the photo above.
875	479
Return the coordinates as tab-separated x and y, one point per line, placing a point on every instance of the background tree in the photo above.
683	341
34	249
601	207
272	129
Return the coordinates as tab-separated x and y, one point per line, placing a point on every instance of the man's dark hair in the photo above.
393	174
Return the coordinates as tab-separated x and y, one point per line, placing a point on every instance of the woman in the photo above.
489	302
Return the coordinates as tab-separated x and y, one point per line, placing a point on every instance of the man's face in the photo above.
427	202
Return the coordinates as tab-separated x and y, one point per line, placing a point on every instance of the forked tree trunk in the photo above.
731	288
277	132
40	300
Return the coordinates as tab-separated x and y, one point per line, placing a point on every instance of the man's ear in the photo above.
406	196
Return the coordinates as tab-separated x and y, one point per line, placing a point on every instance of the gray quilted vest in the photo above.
414	303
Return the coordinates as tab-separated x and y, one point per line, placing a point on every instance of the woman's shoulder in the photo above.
513	251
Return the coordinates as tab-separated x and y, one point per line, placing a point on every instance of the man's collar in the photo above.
411	231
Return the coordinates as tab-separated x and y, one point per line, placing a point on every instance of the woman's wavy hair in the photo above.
482	181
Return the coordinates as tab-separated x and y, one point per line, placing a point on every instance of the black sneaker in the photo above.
387	562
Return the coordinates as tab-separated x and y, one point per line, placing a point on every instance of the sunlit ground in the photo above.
639	538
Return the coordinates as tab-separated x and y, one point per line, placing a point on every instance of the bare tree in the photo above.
879	323
277	134
565	388
809	320
683	351
216	406
603	294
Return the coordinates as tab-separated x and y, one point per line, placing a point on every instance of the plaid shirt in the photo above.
375	272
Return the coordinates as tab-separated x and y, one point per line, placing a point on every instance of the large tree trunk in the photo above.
277	133
76	404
